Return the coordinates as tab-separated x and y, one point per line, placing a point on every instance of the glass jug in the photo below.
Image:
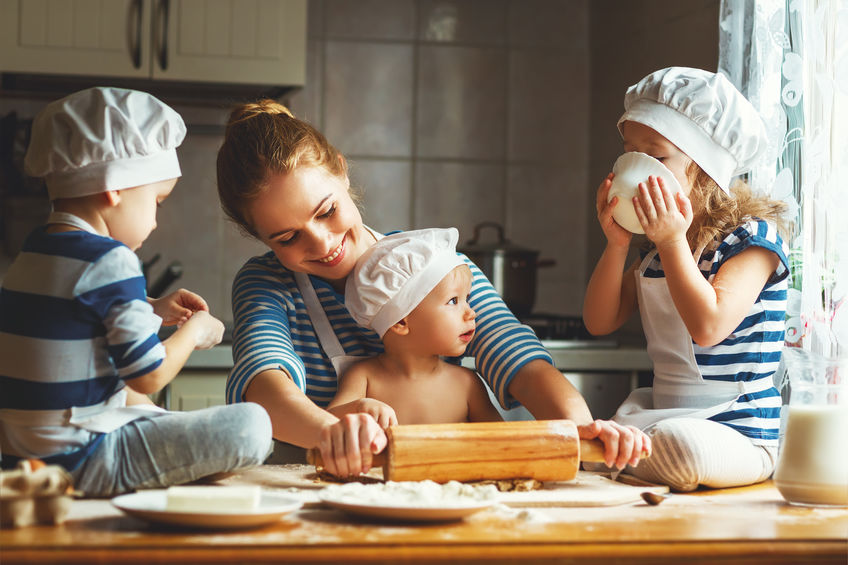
812	462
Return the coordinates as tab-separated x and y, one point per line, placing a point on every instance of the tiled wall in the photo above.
451	112
457	112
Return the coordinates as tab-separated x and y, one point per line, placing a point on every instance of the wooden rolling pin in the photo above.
545	450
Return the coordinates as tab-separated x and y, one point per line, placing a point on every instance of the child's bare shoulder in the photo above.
461	374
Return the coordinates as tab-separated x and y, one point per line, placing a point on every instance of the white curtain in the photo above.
790	58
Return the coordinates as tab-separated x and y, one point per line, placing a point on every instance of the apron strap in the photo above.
326	335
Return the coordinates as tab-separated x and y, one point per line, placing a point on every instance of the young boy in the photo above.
78	335
412	289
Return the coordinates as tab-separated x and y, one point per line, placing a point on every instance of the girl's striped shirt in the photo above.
752	351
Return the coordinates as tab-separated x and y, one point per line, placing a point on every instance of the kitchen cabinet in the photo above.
215	41
194	389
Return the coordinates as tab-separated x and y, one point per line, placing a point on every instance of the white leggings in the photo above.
688	452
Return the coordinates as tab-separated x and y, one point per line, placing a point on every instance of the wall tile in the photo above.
463	21
553	23
461	102
305	103
459	195
188	223
385	192
548	106
368	98
315	19
546	211
370	19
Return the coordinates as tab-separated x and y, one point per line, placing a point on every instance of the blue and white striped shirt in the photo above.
273	331
75	324
752	351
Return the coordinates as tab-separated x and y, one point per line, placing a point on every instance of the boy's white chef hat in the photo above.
704	115
104	138
395	274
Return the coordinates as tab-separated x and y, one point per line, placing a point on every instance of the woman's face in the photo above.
309	220
641	138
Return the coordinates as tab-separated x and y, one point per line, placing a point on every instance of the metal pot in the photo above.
510	268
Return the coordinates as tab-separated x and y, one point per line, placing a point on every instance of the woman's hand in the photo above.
178	307
623	444
616	235
664	216
348	445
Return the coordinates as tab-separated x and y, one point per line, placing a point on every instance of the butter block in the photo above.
228	499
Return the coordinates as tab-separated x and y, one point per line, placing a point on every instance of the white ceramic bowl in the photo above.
630	169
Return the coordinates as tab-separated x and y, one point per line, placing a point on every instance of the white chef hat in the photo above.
102	139
395	274
704	115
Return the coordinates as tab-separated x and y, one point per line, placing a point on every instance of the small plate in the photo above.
408	513
150	505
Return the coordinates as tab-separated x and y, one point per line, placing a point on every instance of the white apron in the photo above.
323	329
679	389
114	413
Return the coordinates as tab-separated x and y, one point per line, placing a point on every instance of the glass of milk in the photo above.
812	462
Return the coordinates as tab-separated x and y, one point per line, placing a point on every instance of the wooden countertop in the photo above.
743	525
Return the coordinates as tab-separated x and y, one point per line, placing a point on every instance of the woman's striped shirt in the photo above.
752	351
273	331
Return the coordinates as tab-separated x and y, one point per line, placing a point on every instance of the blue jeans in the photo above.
175	448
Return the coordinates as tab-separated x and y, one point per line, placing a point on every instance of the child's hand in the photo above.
623	444
208	331
178	307
616	235
380	411
664	216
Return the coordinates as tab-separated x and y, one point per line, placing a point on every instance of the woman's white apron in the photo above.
679	389
323	329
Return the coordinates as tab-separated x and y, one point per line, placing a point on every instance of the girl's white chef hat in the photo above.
104	138
395	274
704	115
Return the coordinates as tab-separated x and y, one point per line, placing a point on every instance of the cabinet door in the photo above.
76	37
193	390
230	41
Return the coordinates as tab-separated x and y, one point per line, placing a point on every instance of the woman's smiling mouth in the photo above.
335	256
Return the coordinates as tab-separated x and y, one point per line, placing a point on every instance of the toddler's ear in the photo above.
400	328
113	197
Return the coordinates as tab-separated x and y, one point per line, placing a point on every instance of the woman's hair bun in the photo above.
252	109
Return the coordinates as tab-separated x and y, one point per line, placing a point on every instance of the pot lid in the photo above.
500	244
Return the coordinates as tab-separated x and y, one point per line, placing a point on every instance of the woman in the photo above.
284	184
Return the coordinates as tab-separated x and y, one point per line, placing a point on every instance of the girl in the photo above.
711	287
284	184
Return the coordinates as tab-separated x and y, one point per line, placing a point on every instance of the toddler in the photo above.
78	336
412	289
710	287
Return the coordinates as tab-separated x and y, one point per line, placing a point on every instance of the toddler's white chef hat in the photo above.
395	274
104	138
704	115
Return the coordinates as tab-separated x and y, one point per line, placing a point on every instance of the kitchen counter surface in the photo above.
568	356
743	525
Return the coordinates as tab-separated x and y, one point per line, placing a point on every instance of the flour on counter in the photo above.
412	494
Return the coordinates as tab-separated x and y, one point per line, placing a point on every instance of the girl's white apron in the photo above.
679	389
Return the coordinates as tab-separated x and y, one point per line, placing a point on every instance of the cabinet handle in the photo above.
164	13
136	56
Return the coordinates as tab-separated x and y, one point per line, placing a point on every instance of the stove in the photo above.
558	331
